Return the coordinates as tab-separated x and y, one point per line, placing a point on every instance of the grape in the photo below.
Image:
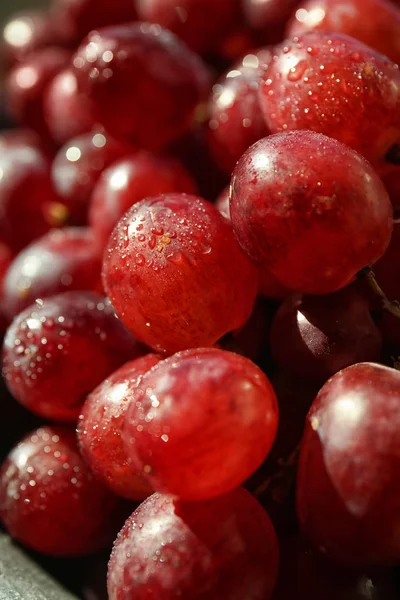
386	269
269	286
348	492
100	425
200	422
81	16
175	274
193	152
293	193
314	337
376	23
130	180
78	166
74	338
335	85
26	32
50	501
269	17
20	138
144	84
27	196
61	260
392	185
221	548
235	119
66	112
306	574
26	85
199	23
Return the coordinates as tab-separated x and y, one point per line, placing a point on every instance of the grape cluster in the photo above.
199	286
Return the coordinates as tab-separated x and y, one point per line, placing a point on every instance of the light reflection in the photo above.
73	154
26	77
18	33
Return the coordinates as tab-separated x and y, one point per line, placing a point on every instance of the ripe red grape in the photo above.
26	85
27	196
392	185
100	426
145	85
131	180
225	548
386	269
200	422
333	84
376	23
73	338
66	112
21	138
26	32
176	275
235	118
199	23
78	166
269	16
348	493
81	16
314	337
305	574
309	210
269	286
50	501
193	152
62	260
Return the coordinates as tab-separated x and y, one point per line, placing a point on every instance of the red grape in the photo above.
392	185
225	548
61	260
335	85
26	85
269	286
376	23
386	269
79	164
200	422
145	85
26	32
21	138
222	203
252	340
66	112
348	493
199	23
81	16
238	42
296	192
131	180
50	501
193	152
176	275
73	338
304	574
100	426
27	197
235	118
269	16
314	337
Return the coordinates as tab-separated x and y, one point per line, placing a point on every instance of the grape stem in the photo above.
279	485
392	306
